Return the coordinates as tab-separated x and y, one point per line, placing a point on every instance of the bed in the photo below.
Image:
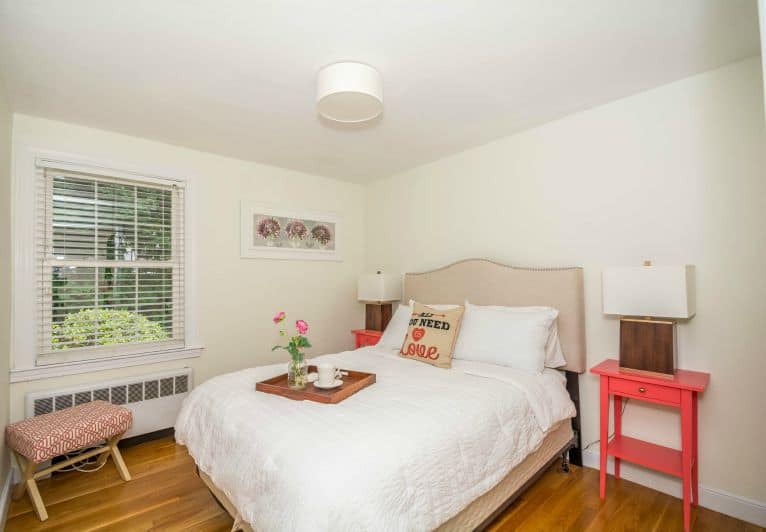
422	449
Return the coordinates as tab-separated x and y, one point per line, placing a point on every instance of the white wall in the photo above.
236	297
5	274
677	175
762	23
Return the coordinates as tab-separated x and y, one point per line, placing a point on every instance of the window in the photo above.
111	265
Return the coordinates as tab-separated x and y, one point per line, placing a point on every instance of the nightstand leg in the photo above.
686	453
604	434
617	429
695	457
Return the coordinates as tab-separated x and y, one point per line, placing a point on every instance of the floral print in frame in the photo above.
272	232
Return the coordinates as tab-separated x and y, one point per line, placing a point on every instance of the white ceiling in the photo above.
237	77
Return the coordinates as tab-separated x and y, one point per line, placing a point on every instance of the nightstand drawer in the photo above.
366	337
364	340
652	392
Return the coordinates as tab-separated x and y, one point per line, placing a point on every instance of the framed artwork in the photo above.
269	232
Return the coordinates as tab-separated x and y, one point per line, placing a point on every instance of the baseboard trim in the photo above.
5	499
721	501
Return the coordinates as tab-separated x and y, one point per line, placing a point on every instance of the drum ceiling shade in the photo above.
349	92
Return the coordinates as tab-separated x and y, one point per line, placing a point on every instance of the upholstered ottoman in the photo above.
40	438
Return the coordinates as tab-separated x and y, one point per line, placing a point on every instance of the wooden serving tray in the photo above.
352	383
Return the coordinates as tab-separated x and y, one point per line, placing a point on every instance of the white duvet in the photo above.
407	453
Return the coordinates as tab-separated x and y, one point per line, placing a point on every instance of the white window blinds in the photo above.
111	256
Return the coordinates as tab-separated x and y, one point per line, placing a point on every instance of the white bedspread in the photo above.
406	453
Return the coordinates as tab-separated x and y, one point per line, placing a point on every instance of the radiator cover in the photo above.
154	399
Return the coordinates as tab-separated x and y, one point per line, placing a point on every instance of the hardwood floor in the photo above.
166	494
570	502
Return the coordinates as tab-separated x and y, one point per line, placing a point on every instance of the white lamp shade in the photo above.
379	287
349	92
652	291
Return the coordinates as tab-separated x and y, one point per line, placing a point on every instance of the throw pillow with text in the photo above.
432	334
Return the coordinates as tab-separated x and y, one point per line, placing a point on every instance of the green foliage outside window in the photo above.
104	327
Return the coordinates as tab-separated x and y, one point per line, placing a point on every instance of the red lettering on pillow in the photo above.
422	351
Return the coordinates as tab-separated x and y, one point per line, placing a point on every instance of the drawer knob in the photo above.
642	389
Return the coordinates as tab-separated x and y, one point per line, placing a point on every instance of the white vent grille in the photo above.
80	398
43	406
154	399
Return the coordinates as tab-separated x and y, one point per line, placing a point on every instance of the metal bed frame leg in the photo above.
565	461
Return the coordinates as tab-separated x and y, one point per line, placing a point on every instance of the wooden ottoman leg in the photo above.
119	463
37	501
28	483
103	457
21	488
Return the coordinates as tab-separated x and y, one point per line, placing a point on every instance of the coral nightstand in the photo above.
365	337
681	392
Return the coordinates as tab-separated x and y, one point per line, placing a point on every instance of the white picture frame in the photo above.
305	241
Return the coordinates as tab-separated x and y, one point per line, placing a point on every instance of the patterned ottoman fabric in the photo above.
42	437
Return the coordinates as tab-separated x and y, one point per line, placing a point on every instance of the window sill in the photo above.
89	366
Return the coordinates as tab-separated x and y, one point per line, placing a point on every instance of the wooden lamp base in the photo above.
648	346
377	316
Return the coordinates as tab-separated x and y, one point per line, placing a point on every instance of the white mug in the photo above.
326	374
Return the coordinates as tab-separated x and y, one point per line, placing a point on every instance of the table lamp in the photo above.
378	290
649	299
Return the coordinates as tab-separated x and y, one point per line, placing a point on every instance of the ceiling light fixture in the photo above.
349	92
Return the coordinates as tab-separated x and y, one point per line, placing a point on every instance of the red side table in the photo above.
365	337
680	392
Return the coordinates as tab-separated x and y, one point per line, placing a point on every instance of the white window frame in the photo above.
25	263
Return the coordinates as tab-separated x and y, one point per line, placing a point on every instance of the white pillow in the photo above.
393	336
396	330
554	356
497	335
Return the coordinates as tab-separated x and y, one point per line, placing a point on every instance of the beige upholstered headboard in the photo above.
484	282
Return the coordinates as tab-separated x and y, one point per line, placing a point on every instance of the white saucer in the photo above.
335	384
312	377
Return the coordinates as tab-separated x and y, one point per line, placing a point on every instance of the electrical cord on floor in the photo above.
88	465
622	411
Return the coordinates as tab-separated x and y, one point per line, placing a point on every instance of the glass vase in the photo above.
297	373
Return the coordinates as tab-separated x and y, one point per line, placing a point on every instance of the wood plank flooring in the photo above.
166	494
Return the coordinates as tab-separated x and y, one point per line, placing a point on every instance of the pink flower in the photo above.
278	317
302	326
